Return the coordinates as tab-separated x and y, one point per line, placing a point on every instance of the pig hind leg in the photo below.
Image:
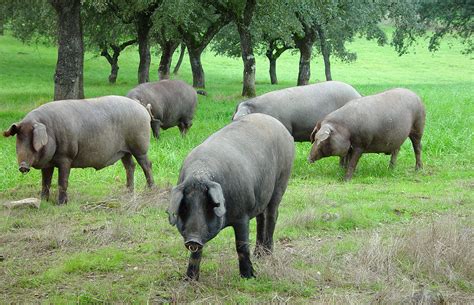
271	216
145	164
46	178
260	248
393	158
184	126
416	142
129	165
415	137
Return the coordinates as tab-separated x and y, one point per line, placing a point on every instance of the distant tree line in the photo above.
232	28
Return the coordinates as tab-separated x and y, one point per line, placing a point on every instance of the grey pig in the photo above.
300	108
172	103
238	173
373	124
83	133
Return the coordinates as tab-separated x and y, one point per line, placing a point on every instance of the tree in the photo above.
106	34
68	78
453	17
197	25
180	59
241	13
140	14
431	18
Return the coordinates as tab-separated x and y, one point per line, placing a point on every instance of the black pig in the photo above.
238	173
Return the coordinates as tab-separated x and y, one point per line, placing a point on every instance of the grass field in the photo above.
388	236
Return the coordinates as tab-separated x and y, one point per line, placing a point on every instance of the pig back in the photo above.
300	108
171	100
96	132
381	122
249	158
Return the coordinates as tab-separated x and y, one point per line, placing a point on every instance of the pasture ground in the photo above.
388	236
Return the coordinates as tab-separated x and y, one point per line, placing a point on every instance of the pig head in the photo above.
329	140
33	145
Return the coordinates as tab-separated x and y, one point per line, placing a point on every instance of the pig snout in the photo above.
193	244
24	167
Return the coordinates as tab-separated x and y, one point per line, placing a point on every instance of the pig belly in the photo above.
97	160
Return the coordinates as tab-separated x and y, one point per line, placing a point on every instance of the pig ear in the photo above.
11	131
175	202
217	196
323	133
315	131
40	137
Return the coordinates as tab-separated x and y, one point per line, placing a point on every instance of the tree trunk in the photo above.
167	51
114	71
1	28
196	67
326	53
249	64
273	75
143	28
304	72
68	78
113	61
243	26
180	59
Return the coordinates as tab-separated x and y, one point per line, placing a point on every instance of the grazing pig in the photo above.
373	124
238	173
172	103
300	108
83	133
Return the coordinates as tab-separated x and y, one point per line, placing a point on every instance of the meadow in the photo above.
387	236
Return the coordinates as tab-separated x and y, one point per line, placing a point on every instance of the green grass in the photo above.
108	246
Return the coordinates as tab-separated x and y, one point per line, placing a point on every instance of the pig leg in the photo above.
63	178
47	176
259	248
129	169
184	126
241	231
271	216
193	266
416	142
393	158
145	164
355	156
155	127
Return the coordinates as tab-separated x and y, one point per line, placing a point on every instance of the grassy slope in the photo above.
106	245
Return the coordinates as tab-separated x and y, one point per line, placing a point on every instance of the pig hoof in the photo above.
191	277
62	200
45	196
247	274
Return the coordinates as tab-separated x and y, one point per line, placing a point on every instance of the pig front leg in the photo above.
64	170
193	266
242	246
354	158
46	178
155	127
